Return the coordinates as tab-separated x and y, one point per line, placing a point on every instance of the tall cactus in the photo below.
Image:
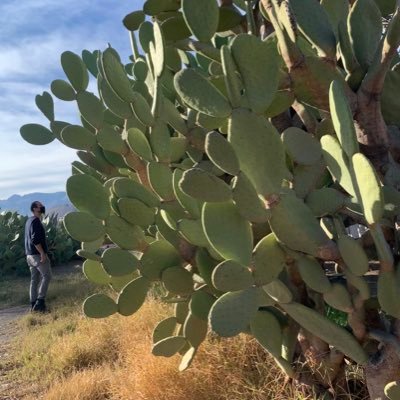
227	159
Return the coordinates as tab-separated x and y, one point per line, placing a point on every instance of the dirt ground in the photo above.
9	388
8	330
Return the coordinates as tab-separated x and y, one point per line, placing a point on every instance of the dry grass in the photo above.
111	359
75	358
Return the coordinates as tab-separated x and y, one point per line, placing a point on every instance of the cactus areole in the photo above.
234	158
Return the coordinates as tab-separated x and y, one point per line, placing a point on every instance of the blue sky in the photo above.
34	33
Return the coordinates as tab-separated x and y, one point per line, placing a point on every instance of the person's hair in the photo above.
34	205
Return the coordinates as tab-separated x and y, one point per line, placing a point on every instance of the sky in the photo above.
33	35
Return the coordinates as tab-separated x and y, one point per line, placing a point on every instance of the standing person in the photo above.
36	256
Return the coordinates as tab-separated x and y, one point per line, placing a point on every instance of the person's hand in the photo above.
43	258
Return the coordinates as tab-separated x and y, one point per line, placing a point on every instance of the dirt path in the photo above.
8	330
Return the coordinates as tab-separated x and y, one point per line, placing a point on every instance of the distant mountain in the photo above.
57	203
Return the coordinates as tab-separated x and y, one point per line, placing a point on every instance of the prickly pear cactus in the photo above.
12	253
228	160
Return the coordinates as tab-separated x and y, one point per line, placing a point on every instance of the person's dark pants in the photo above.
40	277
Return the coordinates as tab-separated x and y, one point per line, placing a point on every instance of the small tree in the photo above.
228	160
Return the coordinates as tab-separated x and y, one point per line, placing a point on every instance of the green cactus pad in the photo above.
112	101
95	273
313	274
230	276
171	115
140	70
119	262
177	280
91	108
154	7
88	194
75	70
169	346
158	57
110	140
260	77
179	145
133	20
314	23
125	187
119	282
232	81
266	329
280	103
201	18
301	146
142	109
229	18
192	205
146	35
268	260
123	234
136	212
360	284
175	28
160	141
195	330
342	119
365	13
328	331
45	104
353	255
392	390
88	255
164	329
187	359
83	226
116	77
221	153
228	232
200	94
36	134
181	311
159	256
266	173
247	201
204	186
337	162
138	142
78	137
308	177
338	297
99	306
369	188
192	230
233	311
63	90
160	177
295	226
325	201
132	296
90	60
201	303
389	293
278	291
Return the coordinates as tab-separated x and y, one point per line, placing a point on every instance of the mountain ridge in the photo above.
56	203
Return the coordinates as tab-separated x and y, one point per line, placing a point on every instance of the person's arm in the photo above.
43	256
38	238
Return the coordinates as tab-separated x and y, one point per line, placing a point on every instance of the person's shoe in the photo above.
33	305
40	306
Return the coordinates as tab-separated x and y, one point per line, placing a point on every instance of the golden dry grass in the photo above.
75	358
111	359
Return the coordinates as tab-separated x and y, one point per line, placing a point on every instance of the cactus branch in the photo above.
135	50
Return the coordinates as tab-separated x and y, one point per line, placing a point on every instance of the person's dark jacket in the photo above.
34	235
